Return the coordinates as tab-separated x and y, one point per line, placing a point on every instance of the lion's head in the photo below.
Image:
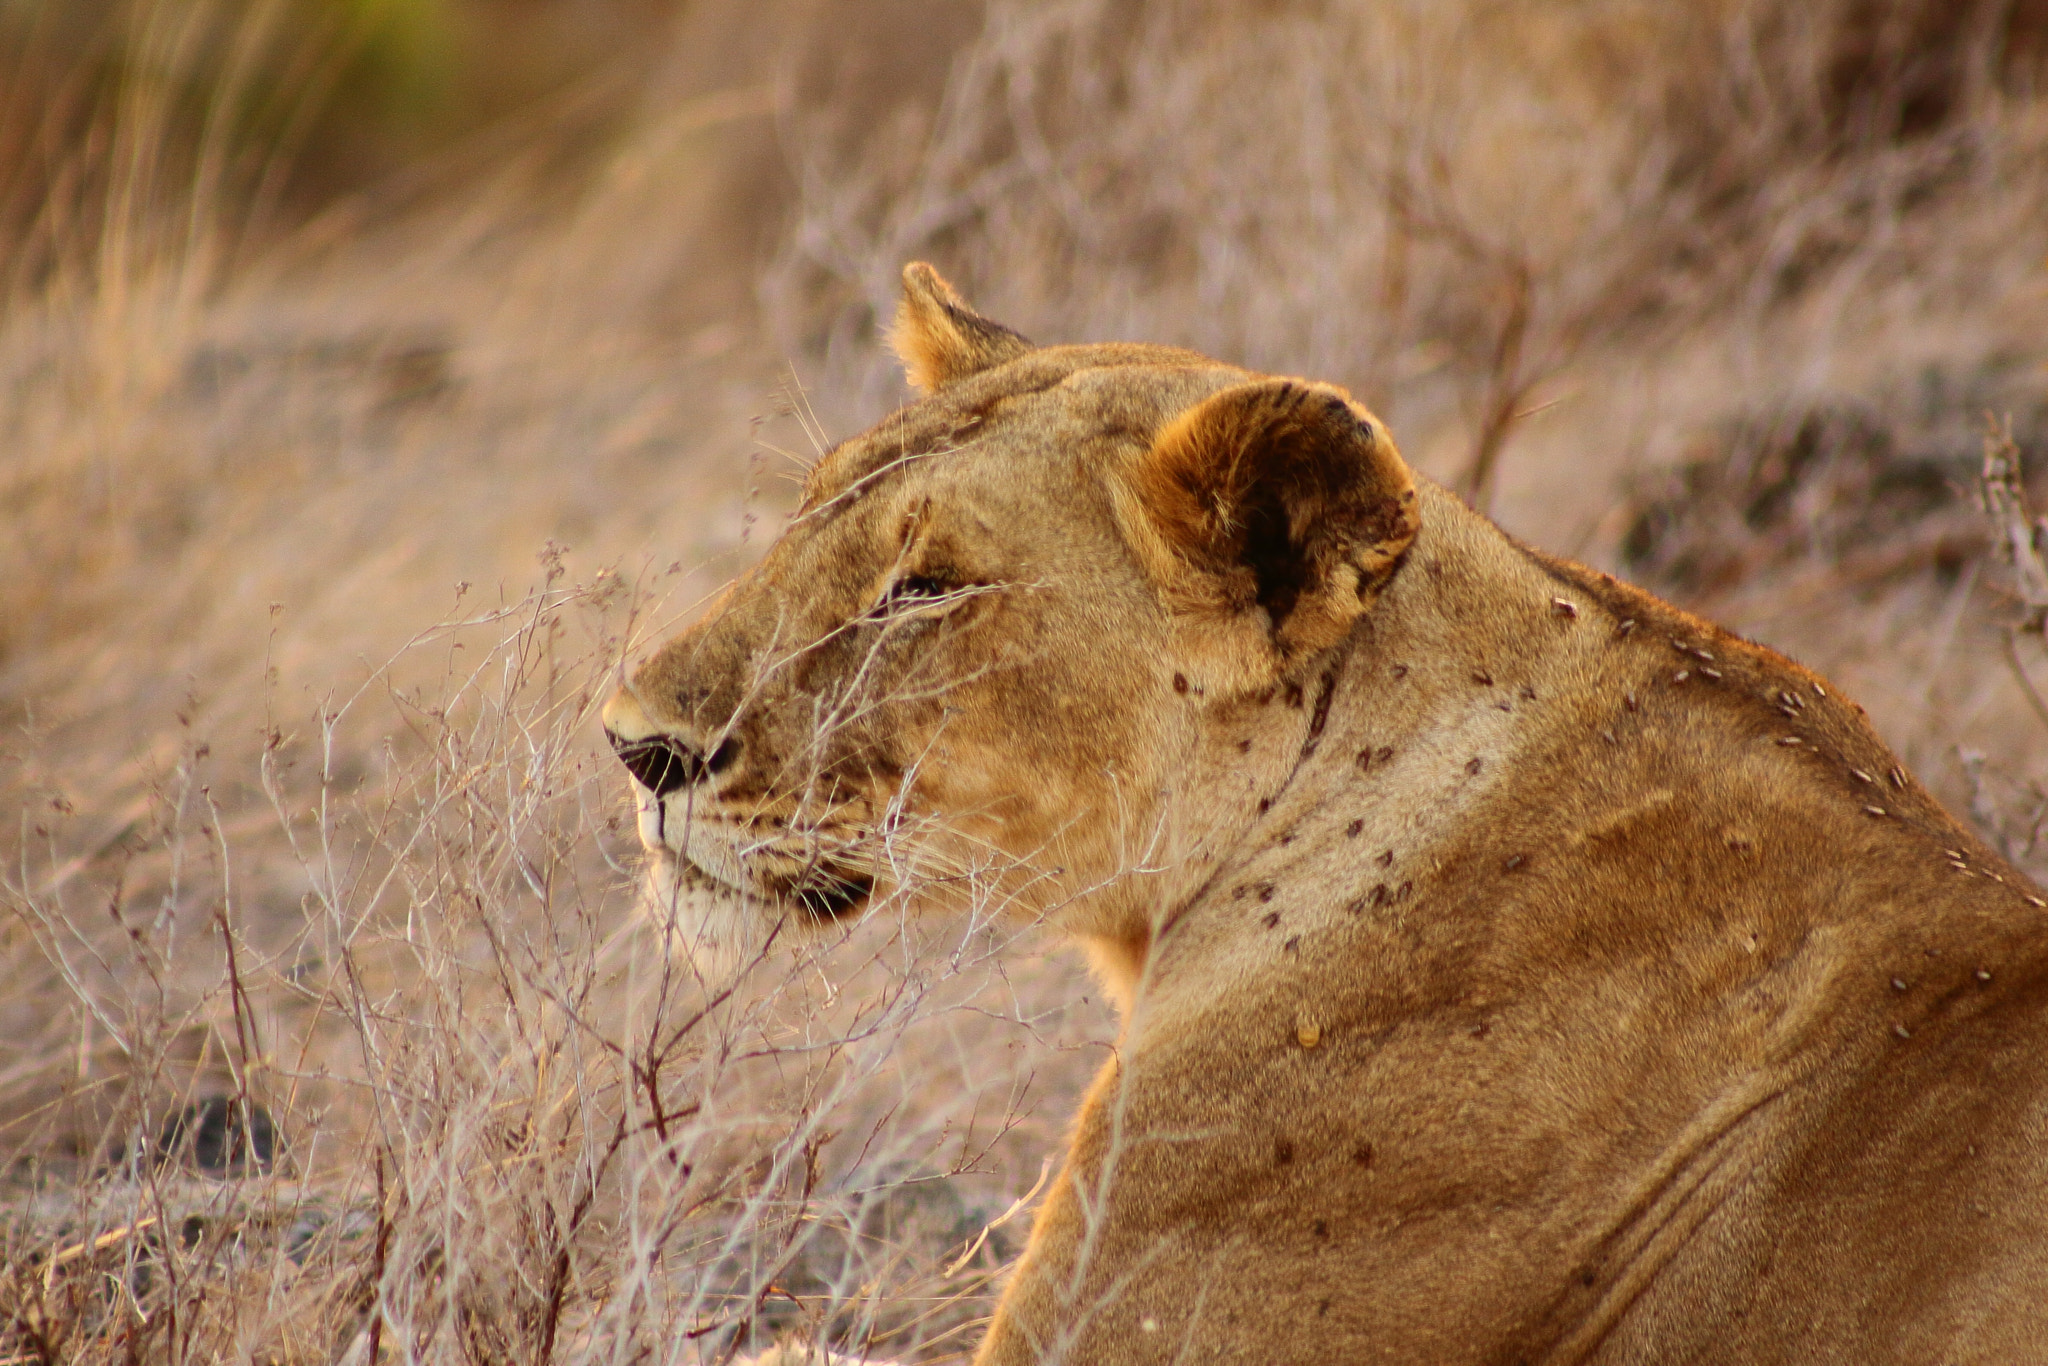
1012	636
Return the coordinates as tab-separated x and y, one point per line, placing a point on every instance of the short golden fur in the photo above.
1514	967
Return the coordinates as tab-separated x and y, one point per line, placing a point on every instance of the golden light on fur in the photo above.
940	339
1510	970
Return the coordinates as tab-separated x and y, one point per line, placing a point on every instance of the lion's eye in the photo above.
910	594
916	586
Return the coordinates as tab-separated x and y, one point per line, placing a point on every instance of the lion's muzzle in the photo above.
752	855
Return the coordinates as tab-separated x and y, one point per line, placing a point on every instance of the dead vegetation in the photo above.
329	509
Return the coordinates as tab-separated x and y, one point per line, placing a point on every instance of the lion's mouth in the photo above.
824	892
829	894
827	887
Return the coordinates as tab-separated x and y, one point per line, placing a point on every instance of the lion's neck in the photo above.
1406	878
1373	759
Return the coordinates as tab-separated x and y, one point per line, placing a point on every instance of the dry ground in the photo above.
347	460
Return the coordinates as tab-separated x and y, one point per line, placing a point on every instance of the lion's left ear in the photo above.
940	339
1271	515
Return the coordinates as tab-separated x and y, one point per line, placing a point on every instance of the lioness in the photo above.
1514	967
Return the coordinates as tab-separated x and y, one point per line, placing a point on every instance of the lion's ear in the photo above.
940	339
1271	515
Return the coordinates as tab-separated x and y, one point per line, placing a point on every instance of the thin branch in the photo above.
2012	659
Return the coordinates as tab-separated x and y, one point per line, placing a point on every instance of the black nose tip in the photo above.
659	763
663	763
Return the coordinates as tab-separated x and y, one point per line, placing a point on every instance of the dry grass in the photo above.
326	524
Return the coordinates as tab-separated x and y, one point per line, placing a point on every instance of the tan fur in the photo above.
1514	967
939	339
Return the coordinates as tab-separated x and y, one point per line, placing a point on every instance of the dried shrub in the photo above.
1876	490
390	907
461	1111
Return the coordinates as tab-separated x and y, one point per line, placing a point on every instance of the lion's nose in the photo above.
659	759
663	763
658	763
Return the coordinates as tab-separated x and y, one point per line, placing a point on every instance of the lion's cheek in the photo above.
1056	844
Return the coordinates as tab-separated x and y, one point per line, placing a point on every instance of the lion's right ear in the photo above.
940	339
1270	515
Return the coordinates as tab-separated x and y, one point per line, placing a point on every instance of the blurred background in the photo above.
339	336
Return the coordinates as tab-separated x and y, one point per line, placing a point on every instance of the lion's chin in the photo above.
829	896
713	928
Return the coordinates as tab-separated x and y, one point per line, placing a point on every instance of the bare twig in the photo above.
2022	541
2019	673
1508	383
2022	538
